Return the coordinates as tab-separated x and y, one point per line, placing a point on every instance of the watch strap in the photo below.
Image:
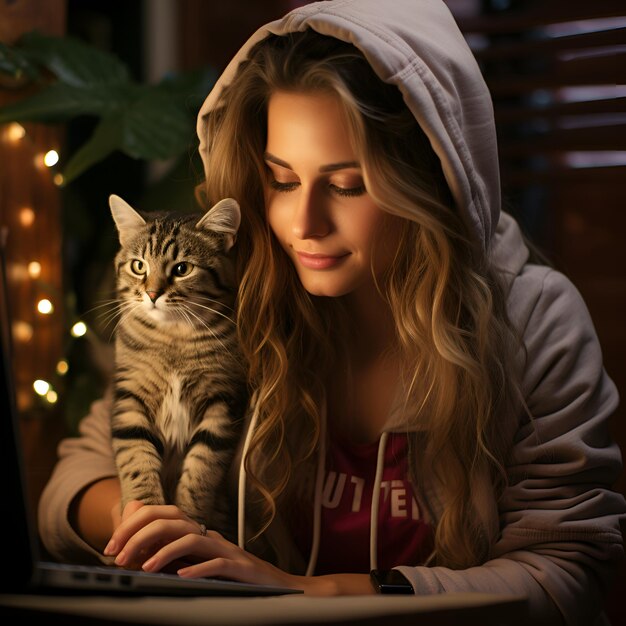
391	581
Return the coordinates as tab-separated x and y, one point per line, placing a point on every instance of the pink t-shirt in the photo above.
404	537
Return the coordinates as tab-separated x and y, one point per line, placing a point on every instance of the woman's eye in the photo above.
138	267
182	269
348	192
283	187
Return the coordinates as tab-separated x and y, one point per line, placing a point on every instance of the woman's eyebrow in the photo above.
331	167
274	159
343	165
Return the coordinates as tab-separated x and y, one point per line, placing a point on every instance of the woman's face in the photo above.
316	202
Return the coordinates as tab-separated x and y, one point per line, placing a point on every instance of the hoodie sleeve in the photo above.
82	461
560	538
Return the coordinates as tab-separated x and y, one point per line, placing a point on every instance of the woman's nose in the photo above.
311	217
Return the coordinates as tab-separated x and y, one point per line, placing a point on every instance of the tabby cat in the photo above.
179	378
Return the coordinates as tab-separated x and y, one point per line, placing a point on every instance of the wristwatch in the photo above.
390	581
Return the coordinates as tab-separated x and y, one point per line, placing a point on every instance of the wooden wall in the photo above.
30	214
211	32
557	72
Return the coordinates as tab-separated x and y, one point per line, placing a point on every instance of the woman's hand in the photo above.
141	530
162	538
156	538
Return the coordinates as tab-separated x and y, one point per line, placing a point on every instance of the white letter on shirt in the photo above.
358	493
333	502
398	499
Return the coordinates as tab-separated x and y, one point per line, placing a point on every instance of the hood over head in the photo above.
417	46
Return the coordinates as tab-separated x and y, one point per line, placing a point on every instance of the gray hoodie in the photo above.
555	531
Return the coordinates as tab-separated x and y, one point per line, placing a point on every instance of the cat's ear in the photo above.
224	217
127	220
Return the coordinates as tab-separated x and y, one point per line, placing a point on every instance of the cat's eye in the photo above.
138	267
182	269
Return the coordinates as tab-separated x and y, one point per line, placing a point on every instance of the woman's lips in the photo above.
320	261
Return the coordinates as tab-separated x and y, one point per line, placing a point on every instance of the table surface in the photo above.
453	608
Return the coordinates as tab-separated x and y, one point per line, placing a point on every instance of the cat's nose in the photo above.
153	295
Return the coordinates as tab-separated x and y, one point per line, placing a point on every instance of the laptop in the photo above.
21	552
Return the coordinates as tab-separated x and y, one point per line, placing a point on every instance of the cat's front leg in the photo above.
210	450
138	452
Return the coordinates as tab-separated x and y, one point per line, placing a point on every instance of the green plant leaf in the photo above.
106	138
72	61
15	64
190	87
143	121
155	126
61	102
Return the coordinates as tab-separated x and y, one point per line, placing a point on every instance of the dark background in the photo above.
557	73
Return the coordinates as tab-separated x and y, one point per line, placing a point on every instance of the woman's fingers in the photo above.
162	537
147	540
135	521
131	508
211	546
223	568
218	558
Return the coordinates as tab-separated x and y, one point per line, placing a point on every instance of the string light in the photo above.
41	387
22	331
18	140
27	217
44	389
15	132
45	307
79	329
51	158
34	269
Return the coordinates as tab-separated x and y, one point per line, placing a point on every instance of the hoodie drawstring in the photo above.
378	477
241	490
317	505
319	480
319	484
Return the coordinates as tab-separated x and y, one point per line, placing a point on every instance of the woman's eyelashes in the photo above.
346	192
284	187
359	190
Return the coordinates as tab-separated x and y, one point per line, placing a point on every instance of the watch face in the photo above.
390	581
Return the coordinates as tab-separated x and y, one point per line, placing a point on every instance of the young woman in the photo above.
425	397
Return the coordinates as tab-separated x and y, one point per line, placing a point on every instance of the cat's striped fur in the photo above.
179	378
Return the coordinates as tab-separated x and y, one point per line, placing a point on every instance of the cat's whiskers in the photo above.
116	309
199	297
103	303
106	317
208	308
185	307
112	306
130	307
182	313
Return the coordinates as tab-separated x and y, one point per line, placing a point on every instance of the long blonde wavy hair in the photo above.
453	337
